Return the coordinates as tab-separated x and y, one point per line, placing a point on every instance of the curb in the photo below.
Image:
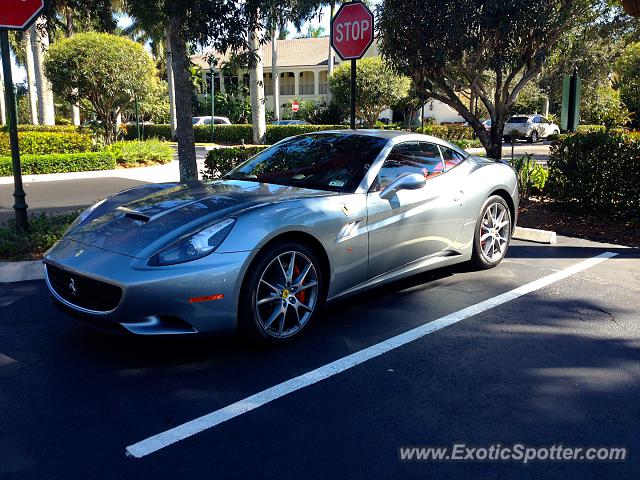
21	271
534	235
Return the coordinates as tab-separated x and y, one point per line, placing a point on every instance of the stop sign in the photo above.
19	14
295	106
352	30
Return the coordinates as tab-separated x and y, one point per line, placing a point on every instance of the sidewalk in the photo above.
154	174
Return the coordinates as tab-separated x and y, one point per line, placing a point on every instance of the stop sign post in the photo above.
351	36
15	15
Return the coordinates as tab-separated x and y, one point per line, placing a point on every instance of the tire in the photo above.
278	302
534	137
485	257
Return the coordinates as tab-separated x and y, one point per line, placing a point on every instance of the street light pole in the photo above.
20	204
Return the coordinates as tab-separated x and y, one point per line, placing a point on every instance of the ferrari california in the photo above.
310	220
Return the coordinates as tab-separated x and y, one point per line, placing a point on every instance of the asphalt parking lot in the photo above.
556	363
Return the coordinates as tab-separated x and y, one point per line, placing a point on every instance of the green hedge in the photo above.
44	128
60	163
448	132
233	133
275	133
43	143
598	171
222	160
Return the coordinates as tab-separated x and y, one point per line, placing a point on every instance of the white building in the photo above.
302	64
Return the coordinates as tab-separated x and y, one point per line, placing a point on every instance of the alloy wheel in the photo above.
494	232
287	294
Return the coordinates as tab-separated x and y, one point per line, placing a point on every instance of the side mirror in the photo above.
410	181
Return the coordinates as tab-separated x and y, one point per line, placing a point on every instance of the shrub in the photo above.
60	163
464	143
144	152
42	143
448	132
598	171
222	160
604	107
43	232
531	175
590	128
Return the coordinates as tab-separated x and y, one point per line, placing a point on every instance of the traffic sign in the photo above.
295	106
19	14
352	30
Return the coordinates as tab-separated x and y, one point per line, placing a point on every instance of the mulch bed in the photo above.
567	220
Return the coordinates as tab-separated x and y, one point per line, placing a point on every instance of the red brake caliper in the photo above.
303	294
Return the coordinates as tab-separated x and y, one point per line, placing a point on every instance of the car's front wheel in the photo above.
493	233
282	293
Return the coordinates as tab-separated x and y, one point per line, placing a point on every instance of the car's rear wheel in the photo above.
283	291
493	233
534	137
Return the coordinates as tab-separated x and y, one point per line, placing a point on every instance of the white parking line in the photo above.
188	429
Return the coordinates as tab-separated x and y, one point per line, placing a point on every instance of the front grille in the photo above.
82	291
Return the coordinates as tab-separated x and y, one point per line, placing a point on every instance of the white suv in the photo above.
531	127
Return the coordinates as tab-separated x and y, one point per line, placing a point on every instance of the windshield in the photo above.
335	162
518	120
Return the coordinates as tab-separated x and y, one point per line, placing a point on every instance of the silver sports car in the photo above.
312	219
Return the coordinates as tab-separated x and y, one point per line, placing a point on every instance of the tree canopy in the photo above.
377	87
491	48
107	70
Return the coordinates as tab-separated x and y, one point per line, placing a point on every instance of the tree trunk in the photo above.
39	45
184	112
75	109
256	86
172	90
330	63
32	90
275	73
3	114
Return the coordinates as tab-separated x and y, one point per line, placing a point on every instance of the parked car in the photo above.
487	125
314	218
206	120
530	127
291	122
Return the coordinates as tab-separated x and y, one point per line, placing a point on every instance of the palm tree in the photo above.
39	45
256	82
32	89
330	65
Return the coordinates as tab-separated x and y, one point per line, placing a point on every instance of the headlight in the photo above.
196	246
84	215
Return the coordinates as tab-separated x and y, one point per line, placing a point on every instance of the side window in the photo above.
536	119
451	157
415	157
544	120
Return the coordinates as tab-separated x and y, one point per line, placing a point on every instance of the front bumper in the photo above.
154	300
